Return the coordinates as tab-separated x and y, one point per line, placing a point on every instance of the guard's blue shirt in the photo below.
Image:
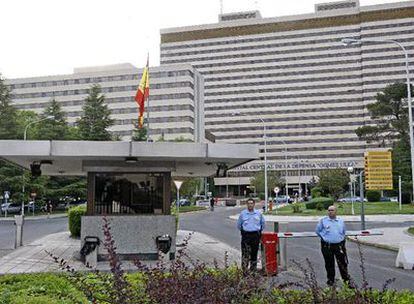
331	230
251	221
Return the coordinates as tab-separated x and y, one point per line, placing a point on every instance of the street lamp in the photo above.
351	41
265	164
350	171
24	138
33	122
286	171
265	156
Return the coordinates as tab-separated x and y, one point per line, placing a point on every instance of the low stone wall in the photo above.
134	235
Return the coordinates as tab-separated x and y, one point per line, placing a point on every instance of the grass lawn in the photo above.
411	230
346	209
191	208
37	213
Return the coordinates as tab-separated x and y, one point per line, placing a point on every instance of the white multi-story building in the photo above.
293	76
176	108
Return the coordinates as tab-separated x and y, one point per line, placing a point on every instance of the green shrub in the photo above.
74	216
373	196
323	202
316	192
405	198
296	208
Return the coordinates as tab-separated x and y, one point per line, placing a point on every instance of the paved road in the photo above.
379	262
33	230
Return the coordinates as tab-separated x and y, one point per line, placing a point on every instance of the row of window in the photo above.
303	80
294	44
282	104
322	156
294	67
290	96
104	90
156	120
160	131
281	144
170	108
242	123
319	148
260	39
290	134
112	100
99	79
315	73
296	111
292	59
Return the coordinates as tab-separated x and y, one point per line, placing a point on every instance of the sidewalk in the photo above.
33	257
391	239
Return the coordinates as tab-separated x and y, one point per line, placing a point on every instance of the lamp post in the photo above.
351	41
265	156
24	138
33	122
265	164
350	171
286	171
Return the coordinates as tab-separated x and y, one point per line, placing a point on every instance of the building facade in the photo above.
176	108
293	77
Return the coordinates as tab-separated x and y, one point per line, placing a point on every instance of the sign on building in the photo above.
378	170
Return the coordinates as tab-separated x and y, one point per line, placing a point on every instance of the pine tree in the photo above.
139	134
96	117
8	114
53	129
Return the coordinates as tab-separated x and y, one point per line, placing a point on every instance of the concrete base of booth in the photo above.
134	235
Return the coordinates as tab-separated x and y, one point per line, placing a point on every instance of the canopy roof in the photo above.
80	157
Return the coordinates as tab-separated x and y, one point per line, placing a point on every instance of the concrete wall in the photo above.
133	235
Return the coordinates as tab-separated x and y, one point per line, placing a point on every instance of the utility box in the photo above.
269	252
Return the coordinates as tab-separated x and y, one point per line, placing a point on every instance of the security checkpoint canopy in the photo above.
79	157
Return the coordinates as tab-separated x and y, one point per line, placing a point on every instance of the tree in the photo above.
53	129
96	117
390	115
8	114
273	180
139	134
333	182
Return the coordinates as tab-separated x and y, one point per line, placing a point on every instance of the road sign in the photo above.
6	194
276	190
378	170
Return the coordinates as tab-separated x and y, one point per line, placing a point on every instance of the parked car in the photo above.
203	202
355	199
75	204
394	199
385	199
11	207
184	202
282	199
228	201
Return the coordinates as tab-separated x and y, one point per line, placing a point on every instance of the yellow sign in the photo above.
378	170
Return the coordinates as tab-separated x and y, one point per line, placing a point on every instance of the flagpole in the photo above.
148	98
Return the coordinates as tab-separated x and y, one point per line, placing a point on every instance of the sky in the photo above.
51	37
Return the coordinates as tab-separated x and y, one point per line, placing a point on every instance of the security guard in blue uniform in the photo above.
331	230
251	224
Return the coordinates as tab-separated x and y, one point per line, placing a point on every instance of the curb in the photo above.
381	246
35	218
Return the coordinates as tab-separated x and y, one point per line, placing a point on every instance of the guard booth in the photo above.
129	183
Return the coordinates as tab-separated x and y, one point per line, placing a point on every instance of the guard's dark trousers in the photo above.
330	253
250	246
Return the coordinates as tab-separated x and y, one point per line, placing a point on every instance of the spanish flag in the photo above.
142	94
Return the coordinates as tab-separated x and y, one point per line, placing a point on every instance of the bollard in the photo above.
18	221
283	227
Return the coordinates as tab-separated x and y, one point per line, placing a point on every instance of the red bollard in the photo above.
269	252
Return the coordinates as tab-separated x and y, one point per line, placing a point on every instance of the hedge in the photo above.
373	196
322	202
74	216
